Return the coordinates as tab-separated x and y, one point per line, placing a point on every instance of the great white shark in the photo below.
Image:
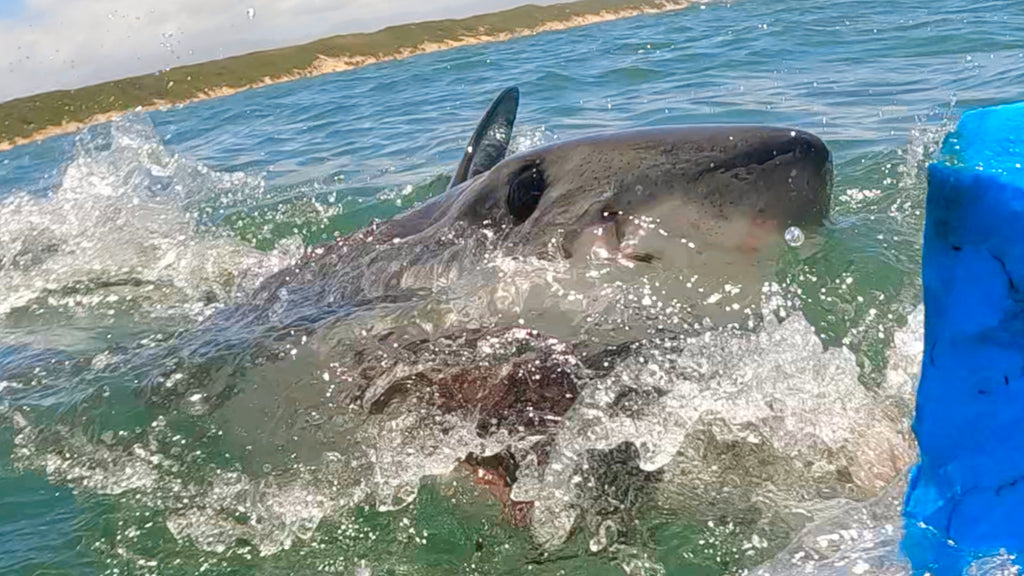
713	199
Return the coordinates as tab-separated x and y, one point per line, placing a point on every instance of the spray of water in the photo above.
122	227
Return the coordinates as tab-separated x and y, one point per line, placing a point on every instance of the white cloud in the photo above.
71	43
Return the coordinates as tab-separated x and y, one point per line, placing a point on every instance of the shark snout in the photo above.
795	171
807	145
775	145
810	148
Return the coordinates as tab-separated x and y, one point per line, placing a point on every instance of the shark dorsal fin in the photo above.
491	138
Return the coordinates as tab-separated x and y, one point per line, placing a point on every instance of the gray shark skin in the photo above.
638	196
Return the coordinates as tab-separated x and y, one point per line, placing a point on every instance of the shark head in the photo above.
663	196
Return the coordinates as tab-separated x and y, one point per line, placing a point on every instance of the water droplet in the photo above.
794	236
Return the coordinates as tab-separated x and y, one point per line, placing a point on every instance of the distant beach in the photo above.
32	118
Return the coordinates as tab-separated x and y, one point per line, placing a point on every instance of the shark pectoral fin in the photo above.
491	138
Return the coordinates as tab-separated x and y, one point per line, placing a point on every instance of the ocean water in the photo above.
775	448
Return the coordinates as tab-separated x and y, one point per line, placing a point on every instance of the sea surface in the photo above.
778	447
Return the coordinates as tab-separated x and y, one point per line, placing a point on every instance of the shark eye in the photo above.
524	192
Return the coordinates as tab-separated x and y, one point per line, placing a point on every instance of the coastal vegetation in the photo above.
33	117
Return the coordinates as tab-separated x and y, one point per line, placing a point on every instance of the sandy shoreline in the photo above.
327	65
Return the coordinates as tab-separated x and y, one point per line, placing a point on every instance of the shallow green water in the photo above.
131	233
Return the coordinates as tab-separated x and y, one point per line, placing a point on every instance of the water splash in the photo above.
122	227
806	421
864	537
686	395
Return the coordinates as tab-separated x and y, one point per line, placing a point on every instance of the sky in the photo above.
56	44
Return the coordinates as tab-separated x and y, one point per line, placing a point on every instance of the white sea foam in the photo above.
122	225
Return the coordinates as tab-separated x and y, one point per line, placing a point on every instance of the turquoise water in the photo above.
129	234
